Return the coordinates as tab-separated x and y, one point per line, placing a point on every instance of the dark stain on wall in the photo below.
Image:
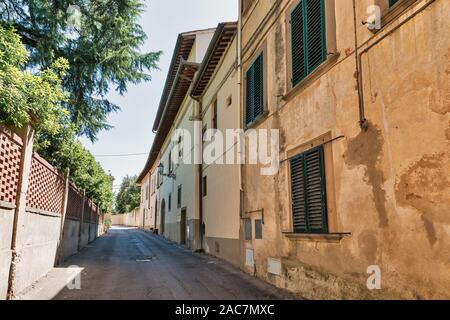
279	59
366	149
425	186
431	231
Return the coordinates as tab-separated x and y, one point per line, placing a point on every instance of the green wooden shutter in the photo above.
298	44
308	192
249	96
298	195
254	82
392	2
258	73
315	25
308	37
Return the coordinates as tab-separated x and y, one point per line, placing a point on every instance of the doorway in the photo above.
183	226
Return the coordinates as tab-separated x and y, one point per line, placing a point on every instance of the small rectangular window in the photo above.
214	115
309	207
204	186
229	101
248	229
258	229
392	2
254	90
179	197
170	201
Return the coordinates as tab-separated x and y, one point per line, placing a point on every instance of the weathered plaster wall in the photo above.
390	185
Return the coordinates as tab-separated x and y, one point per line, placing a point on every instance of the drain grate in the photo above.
145	259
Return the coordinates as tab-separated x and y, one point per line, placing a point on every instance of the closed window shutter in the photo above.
316	33
254	92
308	38
298	195
308	192
298	44
258	74
249	96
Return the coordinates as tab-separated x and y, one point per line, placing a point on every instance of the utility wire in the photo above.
121	155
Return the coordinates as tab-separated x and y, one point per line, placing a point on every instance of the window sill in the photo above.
317	237
312	77
257	121
390	14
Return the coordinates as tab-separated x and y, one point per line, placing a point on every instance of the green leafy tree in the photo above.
129	195
36	98
85	172
26	97
101	41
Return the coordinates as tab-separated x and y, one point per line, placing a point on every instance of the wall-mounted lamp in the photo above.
161	172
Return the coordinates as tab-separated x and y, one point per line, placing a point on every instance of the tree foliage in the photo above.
100	39
26	97
66	152
129	195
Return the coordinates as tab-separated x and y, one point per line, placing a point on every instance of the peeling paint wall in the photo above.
388	186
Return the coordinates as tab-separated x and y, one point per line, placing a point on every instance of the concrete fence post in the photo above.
26	157
60	252
80	229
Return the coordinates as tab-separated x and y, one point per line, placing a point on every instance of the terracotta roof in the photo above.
223	36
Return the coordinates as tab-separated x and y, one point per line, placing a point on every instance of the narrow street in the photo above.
128	263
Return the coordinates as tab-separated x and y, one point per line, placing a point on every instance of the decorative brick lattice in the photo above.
46	187
90	211
9	167
74	202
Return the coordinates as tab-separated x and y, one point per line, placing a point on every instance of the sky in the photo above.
163	20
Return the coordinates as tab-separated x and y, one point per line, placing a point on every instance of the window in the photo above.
180	147
204	186
258	229
248	229
308	38
254	90
170	201
392	2
170	162
309	207
214	115
229	101
179	197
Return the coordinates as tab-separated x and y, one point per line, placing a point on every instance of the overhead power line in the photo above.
121	155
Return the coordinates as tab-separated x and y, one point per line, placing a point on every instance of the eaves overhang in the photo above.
225	32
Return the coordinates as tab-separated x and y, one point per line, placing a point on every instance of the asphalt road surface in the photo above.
129	263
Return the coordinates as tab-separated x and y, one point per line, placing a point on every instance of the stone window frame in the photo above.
246	66
324	140
331	46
